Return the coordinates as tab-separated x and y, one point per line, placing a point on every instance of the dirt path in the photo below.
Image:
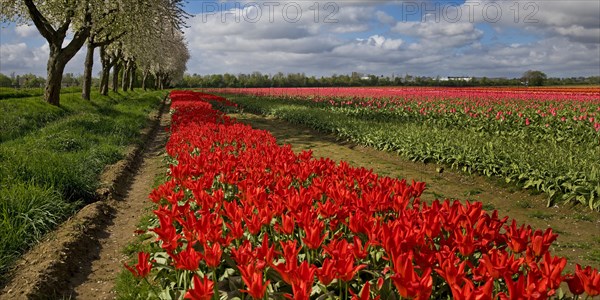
578	228
97	274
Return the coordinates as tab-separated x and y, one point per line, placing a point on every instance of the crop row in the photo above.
241	216
538	115
554	152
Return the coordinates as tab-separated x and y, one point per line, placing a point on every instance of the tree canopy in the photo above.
535	78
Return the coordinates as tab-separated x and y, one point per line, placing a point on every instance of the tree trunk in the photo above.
107	64
104	80
87	71
164	82
125	79
144	78
132	77
115	83
55	69
105	71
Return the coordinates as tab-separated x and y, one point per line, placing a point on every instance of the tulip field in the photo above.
544	139
241	217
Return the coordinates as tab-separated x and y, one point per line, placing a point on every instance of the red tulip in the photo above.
590	280
408	282
540	242
327	273
365	293
212	255
143	267
286	226
302	281
202	290
518	238
575	284
253	278
500	264
314	235
188	259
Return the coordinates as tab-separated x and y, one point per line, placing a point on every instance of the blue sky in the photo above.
426	38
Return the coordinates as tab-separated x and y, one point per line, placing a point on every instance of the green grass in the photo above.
23	115
27	211
582	217
488	207
524	204
51	158
594	255
541	215
8	93
130	288
473	192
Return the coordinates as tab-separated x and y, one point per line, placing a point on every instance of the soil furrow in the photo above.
96	278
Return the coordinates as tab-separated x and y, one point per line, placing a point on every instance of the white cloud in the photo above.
437	35
385	18
26	31
19	56
379	42
579	33
433	29
22	58
576	19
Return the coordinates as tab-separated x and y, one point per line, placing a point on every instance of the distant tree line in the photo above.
21	81
34	81
257	79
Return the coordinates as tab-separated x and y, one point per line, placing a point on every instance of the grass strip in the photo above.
48	173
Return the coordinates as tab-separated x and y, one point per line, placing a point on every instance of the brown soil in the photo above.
96	277
81	259
578	227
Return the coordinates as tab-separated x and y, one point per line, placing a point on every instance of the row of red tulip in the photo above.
290	225
556	94
546	106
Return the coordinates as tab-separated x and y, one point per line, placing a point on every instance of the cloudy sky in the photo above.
426	38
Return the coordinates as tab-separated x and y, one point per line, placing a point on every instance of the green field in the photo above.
51	158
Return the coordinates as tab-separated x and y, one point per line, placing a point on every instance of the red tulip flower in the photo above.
518	238
590	280
253	278
326	274
143	267
203	289
540	242
314	235
365	293
212	255
408	282
188	259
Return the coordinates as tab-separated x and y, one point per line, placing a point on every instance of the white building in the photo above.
456	78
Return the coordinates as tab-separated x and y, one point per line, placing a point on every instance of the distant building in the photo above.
456	78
